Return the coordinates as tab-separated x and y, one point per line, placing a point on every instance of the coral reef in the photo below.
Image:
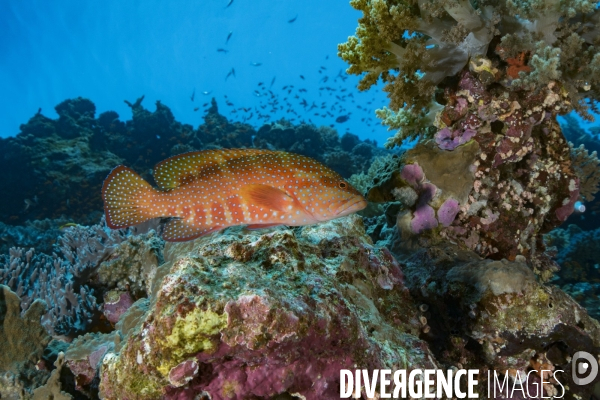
514	179
577	253
496	74
268	313
84	356
494	314
450	272
481	85
590	219
41	234
530	45
574	133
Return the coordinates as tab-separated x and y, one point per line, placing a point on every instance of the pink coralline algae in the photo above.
181	374
84	357
115	304
562	213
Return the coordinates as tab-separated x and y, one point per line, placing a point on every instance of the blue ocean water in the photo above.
110	51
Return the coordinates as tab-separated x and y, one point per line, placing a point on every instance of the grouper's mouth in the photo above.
349	206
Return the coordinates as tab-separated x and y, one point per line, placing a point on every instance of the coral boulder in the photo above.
267	313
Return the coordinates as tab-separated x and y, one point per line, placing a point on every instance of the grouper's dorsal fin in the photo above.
183	168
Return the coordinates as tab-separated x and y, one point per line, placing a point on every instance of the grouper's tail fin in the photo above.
128	198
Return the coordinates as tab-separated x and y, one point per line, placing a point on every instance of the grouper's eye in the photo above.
343	185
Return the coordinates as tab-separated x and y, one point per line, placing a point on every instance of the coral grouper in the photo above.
209	190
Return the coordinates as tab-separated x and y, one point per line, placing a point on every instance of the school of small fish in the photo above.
337	104
206	191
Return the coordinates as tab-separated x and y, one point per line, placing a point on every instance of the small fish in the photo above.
228	37
230	3
193	95
230	73
222	51
272	81
206	93
67	225
301	77
196	109
28	203
206	191
293	19
256	64
342	118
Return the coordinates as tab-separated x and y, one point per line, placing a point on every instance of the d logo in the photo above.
579	368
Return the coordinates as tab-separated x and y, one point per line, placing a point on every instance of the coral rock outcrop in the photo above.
266	313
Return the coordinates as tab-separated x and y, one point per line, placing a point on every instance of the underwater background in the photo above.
479	249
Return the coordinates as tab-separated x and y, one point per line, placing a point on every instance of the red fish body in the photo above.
209	190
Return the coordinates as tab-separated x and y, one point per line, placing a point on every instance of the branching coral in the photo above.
363	181
31	276
413	45
63	283
587	169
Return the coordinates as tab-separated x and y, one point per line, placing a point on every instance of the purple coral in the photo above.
447	212
413	174
448	139
424	216
424	219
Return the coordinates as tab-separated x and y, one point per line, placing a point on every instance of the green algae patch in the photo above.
192	334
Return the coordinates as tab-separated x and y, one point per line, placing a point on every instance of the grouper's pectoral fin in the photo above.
178	230
267	197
